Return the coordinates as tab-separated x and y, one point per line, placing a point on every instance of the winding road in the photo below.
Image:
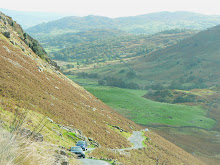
136	139
94	162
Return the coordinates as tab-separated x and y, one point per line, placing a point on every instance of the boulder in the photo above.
7	34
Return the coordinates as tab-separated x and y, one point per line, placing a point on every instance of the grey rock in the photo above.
38	137
61	160
7	34
62	152
51	121
12	42
24	132
90	139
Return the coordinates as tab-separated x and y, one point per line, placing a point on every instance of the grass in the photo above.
123	133
147	112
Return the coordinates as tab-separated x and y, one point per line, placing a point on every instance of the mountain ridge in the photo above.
142	24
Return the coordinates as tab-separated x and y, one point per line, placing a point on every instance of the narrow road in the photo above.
94	162
136	139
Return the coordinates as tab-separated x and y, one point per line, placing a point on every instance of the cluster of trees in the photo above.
93	49
166	95
188	83
87	75
118	82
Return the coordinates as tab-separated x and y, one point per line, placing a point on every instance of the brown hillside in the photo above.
29	82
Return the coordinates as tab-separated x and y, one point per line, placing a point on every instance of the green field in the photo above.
144	111
130	103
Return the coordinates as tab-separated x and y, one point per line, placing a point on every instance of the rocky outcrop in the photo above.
9	26
24	132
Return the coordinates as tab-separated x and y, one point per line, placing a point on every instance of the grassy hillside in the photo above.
142	24
194	60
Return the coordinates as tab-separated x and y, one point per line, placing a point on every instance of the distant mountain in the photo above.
142	24
29	19
72	24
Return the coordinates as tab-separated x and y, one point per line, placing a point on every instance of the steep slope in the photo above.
142	24
28	82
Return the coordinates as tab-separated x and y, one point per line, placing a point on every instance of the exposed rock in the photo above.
38	137
121	129
61	160
7	34
90	139
51	121
12	42
62	152
24	132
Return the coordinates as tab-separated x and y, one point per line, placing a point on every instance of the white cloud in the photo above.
113	8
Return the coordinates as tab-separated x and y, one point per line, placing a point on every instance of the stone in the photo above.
62	152
7	34
38	137
51	121
12	42
90	139
61	160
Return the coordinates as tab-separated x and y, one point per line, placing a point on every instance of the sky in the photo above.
113	8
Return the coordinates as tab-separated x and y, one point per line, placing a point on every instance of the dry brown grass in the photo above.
20	151
22	85
158	151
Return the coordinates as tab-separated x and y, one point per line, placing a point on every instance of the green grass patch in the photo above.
146	112
123	133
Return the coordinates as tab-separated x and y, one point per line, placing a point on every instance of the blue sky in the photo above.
113	8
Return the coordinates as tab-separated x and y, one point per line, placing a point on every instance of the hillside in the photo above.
30	85
55	43
102	48
191	63
194	60
142	24
27	79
